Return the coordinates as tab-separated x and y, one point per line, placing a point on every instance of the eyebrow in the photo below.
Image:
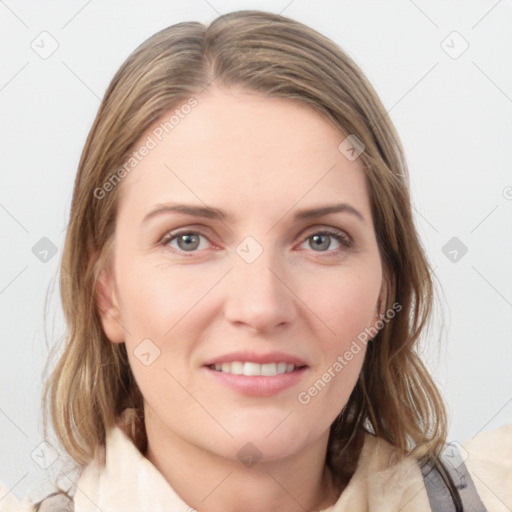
216	214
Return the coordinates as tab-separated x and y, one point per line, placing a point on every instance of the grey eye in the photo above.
188	241
320	242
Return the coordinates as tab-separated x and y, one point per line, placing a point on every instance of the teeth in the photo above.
269	369
254	369
236	367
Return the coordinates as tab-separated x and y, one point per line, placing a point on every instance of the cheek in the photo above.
156	300
346	312
346	303
157	304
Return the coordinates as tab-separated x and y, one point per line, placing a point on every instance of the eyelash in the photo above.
343	239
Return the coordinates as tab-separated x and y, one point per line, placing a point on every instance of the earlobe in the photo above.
108	308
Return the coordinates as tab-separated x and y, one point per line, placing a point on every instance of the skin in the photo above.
259	159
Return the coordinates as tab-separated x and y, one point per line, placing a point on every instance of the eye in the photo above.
185	241
327	240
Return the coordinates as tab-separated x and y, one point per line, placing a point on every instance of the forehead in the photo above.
241	150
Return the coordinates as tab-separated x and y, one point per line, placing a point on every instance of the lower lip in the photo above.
258	385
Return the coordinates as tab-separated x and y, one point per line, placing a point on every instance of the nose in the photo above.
259	296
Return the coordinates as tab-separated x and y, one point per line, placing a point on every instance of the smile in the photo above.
251	369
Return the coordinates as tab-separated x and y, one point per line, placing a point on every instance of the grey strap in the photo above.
439	494
56	502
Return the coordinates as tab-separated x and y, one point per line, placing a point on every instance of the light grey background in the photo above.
453	113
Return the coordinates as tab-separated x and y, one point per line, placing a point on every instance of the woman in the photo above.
244	289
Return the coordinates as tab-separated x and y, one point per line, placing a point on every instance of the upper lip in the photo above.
254	357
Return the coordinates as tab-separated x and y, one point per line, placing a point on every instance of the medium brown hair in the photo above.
394	398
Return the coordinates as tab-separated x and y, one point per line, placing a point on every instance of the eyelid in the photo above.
323	227
329	230
193	228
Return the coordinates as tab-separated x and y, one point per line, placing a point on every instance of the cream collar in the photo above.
130	483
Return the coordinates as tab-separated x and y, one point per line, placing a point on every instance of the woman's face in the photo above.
245	244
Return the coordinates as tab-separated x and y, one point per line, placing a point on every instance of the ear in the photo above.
108	307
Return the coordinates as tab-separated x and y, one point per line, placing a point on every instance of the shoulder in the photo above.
488	457
55	502
386	478
9	502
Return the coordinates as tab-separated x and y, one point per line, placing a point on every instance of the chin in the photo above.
274	435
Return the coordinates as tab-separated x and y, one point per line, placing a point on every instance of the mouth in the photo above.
253	369
255	374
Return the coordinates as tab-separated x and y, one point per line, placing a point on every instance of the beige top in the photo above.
383	482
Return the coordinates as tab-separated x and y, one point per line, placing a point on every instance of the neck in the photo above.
208	481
